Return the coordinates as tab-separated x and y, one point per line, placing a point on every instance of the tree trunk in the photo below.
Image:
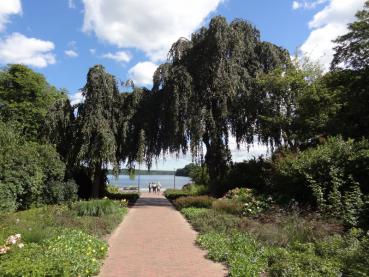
96	181
216	159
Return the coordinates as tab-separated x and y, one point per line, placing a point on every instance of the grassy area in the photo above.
254	236
63	240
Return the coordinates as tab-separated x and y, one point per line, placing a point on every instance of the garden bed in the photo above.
63	240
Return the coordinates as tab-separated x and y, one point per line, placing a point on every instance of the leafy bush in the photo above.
195	189
59	192
173	194
8	200
31	174
228	206
290	263
254	173
131	197
207	220
357	263
193	201
112	189
72	253
243	255
243	201
96	207
330	177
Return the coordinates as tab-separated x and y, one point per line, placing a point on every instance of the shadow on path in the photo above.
154	200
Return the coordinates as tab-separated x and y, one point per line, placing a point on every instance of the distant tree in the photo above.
352	49
25	97
186	170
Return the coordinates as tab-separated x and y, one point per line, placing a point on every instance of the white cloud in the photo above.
17	48
93	51
120	56
151	26
142	73
7	8
307	4
76	98
71	53
327	25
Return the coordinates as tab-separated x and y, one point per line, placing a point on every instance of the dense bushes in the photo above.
243	201
187	190
31	174
173	194
332	177
131	197
96	207
193	201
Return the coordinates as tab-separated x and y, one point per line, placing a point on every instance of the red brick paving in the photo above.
154	240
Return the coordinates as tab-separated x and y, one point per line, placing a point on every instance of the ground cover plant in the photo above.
278	241
62	240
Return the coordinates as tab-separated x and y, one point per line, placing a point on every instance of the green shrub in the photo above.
131	197
290	263
207	220
330	177
72	253
96	207
245	202
228	206
59	192
8	200
195	189
193	201
357	264
31	174
173	194
112	189
243	255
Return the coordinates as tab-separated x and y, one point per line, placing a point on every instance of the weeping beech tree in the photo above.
202	94
96	126
207	91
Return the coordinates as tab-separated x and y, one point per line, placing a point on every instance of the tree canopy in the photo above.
352	50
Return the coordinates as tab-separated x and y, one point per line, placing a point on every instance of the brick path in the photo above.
154	240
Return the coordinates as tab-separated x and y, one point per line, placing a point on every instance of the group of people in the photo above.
154	187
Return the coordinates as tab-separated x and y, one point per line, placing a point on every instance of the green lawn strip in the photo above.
59	240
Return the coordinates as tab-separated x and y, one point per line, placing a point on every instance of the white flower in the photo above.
21	245
4	249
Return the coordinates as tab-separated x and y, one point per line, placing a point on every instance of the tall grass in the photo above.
96	207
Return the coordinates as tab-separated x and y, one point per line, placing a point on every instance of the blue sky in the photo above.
63	38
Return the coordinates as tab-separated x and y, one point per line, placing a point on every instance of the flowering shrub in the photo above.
14	240
247	202
72	253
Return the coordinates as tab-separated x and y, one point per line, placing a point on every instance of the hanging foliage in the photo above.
208	91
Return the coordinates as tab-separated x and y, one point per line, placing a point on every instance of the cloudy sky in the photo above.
63	38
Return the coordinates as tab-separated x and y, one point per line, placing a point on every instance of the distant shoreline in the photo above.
144	172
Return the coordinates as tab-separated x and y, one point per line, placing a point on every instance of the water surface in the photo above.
166	181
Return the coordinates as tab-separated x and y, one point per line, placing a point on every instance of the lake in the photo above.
166	181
